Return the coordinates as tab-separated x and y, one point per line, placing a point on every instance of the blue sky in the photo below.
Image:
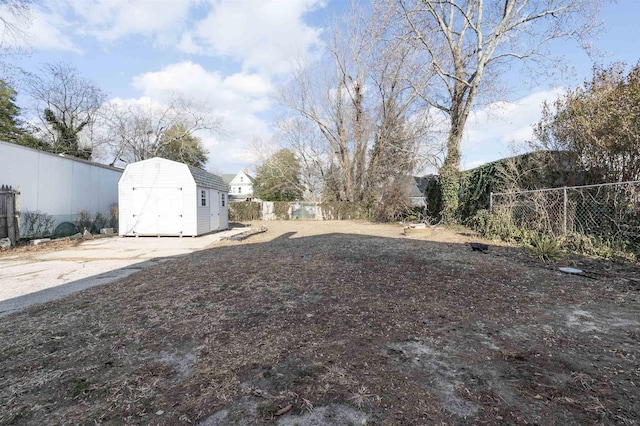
233	54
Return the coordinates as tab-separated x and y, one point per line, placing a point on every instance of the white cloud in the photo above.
237	99
39	30
241	91
113	19
263	35
53	24
492	131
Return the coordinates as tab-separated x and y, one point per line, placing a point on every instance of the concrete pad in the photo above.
40	277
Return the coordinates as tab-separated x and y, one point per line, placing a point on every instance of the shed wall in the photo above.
162	175
203	212
223	209
149	200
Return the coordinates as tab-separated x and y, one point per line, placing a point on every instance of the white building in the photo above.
164	197
55	188
240	185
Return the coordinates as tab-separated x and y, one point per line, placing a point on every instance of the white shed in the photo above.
164	197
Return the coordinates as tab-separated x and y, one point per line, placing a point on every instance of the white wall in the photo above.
204	212
147	186
223	209
57	185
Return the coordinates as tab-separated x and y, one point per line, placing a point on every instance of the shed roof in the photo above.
208	180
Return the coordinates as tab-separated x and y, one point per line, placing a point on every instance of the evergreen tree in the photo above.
278	179
11	127
178	144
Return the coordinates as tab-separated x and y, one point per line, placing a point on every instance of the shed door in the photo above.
157	211
214	210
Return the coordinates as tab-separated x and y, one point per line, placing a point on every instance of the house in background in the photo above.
57	191
240	185
160	197
418	185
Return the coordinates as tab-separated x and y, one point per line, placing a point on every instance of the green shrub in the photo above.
244	211
341	210
499	224
591	245
281	209
544	247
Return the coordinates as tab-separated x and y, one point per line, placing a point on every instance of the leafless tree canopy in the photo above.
465	41
137	131
15	19
357	125
66	104
11	12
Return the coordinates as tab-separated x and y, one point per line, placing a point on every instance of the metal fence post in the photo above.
564	213
490	202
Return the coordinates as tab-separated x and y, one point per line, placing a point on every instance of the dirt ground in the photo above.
334	323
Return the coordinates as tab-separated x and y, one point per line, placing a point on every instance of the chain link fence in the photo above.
609	212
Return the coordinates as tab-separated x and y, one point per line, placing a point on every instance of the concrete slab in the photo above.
42	277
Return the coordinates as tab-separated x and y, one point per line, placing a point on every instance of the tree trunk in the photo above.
450	177
450	171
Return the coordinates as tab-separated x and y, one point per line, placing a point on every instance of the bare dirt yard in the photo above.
334	323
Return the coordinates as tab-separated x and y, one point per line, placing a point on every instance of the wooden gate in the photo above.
9	223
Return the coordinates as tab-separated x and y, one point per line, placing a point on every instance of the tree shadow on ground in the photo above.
329	329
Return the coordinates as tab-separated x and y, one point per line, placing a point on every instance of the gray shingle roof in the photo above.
228	177
208	180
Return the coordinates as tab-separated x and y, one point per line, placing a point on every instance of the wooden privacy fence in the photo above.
9	223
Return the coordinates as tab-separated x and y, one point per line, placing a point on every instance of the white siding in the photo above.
57	185
241	185
150	185
203	212
155	192
223	210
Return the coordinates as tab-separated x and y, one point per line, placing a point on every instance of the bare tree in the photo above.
15	19
361	106
66	104
141	130
300	136
465	41
12	11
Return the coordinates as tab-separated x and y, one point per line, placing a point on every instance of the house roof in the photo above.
414	191
420	186
228	177
208	180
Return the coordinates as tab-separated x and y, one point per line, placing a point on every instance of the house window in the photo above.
203	198
222	199
241	179
239	190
